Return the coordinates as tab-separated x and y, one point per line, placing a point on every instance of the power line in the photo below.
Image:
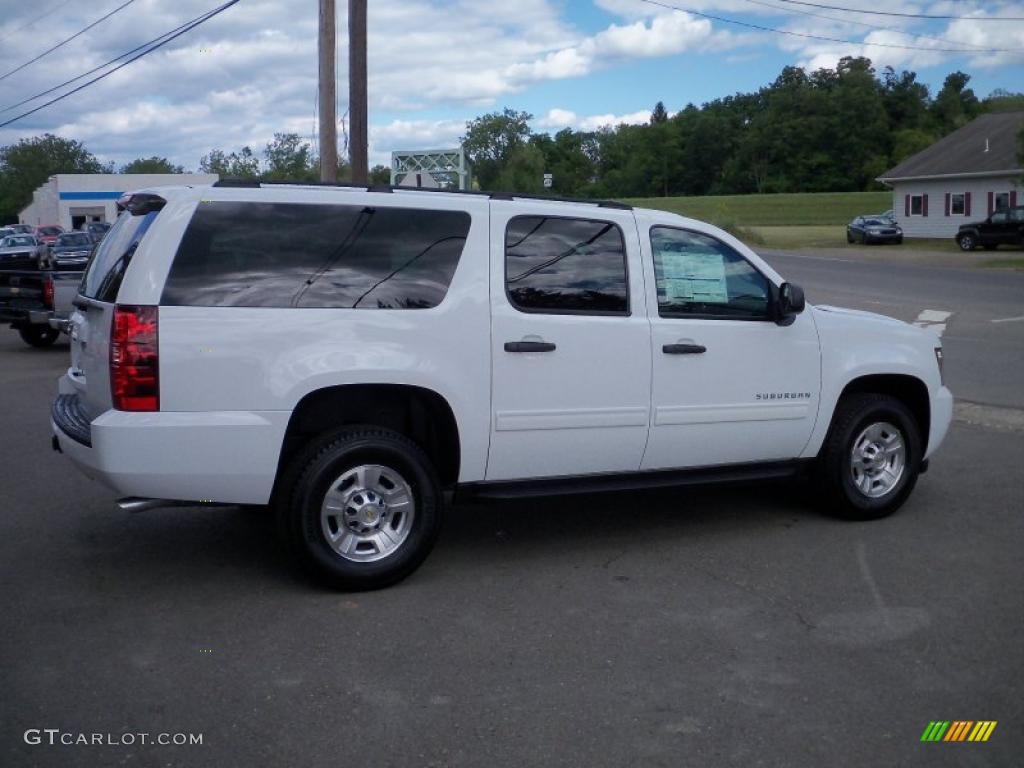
66	40
808	36
978	48
201	17
187	28
40	17
903	15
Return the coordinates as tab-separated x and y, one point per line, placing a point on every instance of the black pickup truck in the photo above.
36	302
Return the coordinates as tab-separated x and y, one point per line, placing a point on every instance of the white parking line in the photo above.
933	316
934	320
1009	319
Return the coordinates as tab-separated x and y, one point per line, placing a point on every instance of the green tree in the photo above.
905	99
909	142
290	158
29	163
659	114
858	142
1001	100
152	164
570	157
238	165
955	105
380	174
523	170
490	141
215	162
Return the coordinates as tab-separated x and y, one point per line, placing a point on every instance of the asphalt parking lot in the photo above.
695	627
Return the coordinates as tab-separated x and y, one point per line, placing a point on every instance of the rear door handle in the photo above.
529	346
683	349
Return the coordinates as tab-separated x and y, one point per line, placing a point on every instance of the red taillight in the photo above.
48	293
134	363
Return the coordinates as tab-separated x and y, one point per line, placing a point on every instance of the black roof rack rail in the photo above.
389	188
558	199
251	183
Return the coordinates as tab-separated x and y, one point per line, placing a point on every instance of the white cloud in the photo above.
665	35
557	119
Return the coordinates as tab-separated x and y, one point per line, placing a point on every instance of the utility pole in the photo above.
357	90
328	96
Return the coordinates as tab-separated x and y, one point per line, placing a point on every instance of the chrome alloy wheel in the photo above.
367	513
878	459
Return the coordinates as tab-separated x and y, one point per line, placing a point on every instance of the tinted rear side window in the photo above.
109	261
296	255
562	265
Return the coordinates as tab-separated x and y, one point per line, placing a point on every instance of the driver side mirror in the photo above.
790	303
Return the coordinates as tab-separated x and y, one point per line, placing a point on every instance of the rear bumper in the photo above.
222	456
941	417
20	317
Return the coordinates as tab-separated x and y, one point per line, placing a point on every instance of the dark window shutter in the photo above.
924	205
967	203
947	203
906	205
1013	198
991	203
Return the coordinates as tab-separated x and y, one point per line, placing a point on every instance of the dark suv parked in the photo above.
1004	227
71	250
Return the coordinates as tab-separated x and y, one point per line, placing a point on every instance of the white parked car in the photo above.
350	355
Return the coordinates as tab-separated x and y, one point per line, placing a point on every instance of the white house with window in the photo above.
966	176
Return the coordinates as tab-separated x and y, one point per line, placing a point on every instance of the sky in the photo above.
252	71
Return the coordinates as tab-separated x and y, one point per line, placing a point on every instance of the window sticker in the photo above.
696	277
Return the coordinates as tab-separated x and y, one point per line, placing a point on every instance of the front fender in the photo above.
859	344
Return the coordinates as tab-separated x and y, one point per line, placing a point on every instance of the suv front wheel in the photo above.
871	457
967	242
361	508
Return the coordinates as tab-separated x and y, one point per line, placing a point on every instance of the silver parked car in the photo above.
22	252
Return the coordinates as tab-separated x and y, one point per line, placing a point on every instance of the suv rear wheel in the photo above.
871	457
966	242
361	508
38	335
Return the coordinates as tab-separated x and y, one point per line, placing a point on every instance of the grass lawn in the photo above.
804	209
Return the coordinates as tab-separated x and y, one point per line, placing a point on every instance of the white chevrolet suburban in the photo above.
349	355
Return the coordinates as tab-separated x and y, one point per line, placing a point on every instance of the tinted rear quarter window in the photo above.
565	265
311	255
106	268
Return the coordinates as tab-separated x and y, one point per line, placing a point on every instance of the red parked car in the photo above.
47	234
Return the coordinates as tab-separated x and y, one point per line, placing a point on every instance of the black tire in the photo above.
854	413
38	335
312	474
966	242
849	237
899	241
